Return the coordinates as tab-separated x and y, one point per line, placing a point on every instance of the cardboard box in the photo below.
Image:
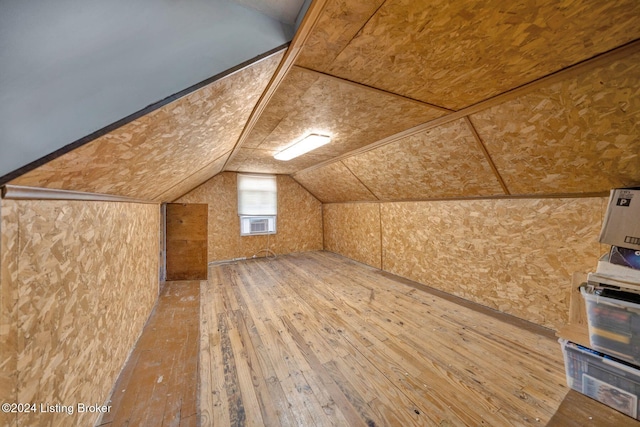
621	225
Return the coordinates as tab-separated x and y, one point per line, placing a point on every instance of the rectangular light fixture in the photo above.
308	143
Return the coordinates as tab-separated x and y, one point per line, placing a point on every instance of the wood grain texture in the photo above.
579	134
328	341
158	384
440	162
353	230
517	256
145	158
602	60
299	222
455	55
9	256
334	183
287	98
186	241
308	22
194	180
257	160
85	270
325	105
578	410
576	329
338	24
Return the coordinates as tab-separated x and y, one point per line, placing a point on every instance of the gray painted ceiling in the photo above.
71	67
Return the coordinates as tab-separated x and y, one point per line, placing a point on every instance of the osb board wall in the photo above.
353	230
581	134
310	102
298	227
445	161
404	46
8	308
514	255
146	157
86	279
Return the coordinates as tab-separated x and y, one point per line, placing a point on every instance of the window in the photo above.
257	204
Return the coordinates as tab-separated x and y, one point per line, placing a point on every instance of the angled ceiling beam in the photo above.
306	27
371	88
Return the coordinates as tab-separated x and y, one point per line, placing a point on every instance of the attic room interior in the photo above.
160	264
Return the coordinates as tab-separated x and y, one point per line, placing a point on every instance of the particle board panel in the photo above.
514	255
298	227
457	54
580	134
287	98
338	24
334	183
87	281
194	180
299	219
337	108
144	158
354	230
8	307
445	161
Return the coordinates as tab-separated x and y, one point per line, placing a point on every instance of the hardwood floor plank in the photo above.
352	395
252	324
318	339
156	385
205	392
214	402
348	412
237	415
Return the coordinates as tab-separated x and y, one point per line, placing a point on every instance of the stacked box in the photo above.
602	377
614	322
621	225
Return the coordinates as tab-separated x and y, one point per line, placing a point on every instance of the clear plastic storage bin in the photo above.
603	378
614	322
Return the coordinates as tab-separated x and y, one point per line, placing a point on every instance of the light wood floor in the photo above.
315	339
159	383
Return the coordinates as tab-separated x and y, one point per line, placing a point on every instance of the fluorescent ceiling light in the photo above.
308	143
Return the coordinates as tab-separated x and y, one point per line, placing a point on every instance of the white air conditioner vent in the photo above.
257	225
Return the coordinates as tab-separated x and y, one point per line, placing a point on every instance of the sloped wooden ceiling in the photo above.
524	98
310	102
423	100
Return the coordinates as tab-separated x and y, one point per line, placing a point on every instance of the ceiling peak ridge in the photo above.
309	22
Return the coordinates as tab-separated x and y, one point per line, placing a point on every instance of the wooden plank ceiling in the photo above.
423	100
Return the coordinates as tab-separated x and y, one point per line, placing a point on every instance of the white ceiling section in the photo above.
71	67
